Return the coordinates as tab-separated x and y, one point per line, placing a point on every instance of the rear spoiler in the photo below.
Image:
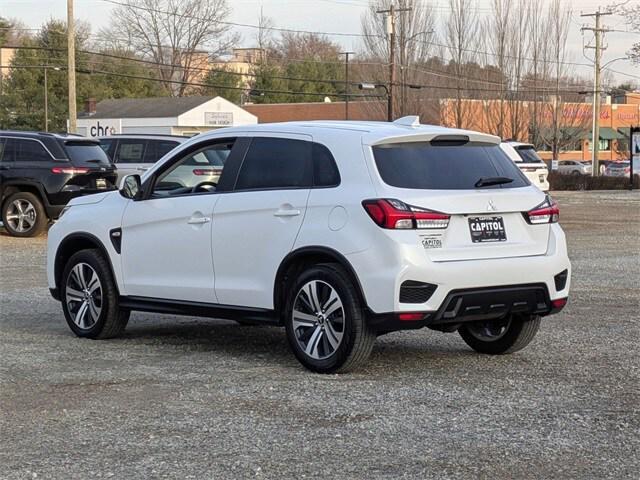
456	137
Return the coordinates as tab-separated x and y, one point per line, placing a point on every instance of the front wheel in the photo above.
90	298
496	337
325	321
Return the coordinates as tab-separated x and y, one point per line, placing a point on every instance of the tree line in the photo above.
469	62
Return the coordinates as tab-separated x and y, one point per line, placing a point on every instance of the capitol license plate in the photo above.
487	229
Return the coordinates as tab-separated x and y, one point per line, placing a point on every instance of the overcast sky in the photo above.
333	16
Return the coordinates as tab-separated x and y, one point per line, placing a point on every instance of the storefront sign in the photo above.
218	119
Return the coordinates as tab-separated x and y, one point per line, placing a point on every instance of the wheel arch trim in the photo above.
74	237
310	251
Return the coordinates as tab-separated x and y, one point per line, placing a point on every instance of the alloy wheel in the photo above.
21	215
318	319
83	295
491	330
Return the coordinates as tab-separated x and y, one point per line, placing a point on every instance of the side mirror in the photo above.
131	187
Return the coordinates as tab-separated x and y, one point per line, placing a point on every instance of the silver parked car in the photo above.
574	167
134	154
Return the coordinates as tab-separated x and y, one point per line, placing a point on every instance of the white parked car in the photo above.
574	167
339	231
529	162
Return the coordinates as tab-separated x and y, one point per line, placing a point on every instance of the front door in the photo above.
166	235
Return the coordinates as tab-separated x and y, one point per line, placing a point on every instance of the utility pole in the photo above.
391	32
71	70
46	102
346	84
595	131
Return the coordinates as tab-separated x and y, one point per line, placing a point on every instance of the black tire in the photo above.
357	337
36	215
518	333
111	320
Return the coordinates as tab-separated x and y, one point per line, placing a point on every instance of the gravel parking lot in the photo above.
194	398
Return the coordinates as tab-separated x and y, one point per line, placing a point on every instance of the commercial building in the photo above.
166	115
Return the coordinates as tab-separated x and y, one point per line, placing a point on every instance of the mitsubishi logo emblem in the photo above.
491	206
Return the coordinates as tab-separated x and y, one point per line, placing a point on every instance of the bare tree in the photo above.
515	70
461	33
564	120
498	42
179	35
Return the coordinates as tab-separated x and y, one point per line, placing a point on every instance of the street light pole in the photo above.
346	84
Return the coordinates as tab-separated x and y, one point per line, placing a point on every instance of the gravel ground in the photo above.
195	398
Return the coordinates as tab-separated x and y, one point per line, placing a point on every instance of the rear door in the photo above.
443	178
255	226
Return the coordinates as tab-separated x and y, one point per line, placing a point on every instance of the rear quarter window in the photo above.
529	155
421	165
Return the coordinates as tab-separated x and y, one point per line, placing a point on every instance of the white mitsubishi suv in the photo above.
338	231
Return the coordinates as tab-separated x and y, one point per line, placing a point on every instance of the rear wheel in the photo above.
23	215
90	298
501	336
325	321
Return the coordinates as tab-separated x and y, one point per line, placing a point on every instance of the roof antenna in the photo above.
408	121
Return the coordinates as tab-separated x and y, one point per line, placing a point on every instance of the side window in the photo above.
325	171
156	149
2	158
27	150
276	163
130	151
197	172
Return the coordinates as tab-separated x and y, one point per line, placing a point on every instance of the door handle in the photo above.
142	169
4	167
198	220
290	212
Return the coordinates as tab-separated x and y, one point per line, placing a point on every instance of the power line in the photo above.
236	24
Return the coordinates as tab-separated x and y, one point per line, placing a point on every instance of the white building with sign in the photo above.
164	116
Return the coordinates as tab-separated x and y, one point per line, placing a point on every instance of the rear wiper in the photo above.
489	181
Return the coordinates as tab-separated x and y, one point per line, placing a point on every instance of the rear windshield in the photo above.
87	154
421	165
529	155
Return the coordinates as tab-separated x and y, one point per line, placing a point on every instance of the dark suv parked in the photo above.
41	172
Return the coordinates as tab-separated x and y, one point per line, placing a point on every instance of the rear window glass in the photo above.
86	153
529	155
156	149
421	165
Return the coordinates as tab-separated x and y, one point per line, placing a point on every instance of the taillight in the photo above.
547	212
397	215
69	170
207	171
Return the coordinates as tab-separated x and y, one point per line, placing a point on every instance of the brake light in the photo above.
207	171
547	212
69	170
396	215
411	316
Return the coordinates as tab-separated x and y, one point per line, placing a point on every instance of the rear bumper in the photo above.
468	305
382	271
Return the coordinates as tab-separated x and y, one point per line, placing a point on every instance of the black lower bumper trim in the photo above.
469	305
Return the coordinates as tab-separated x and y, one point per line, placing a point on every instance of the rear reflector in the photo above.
411	316
69	170
559	303
547	212
396	215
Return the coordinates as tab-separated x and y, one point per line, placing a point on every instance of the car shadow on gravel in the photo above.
228	339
